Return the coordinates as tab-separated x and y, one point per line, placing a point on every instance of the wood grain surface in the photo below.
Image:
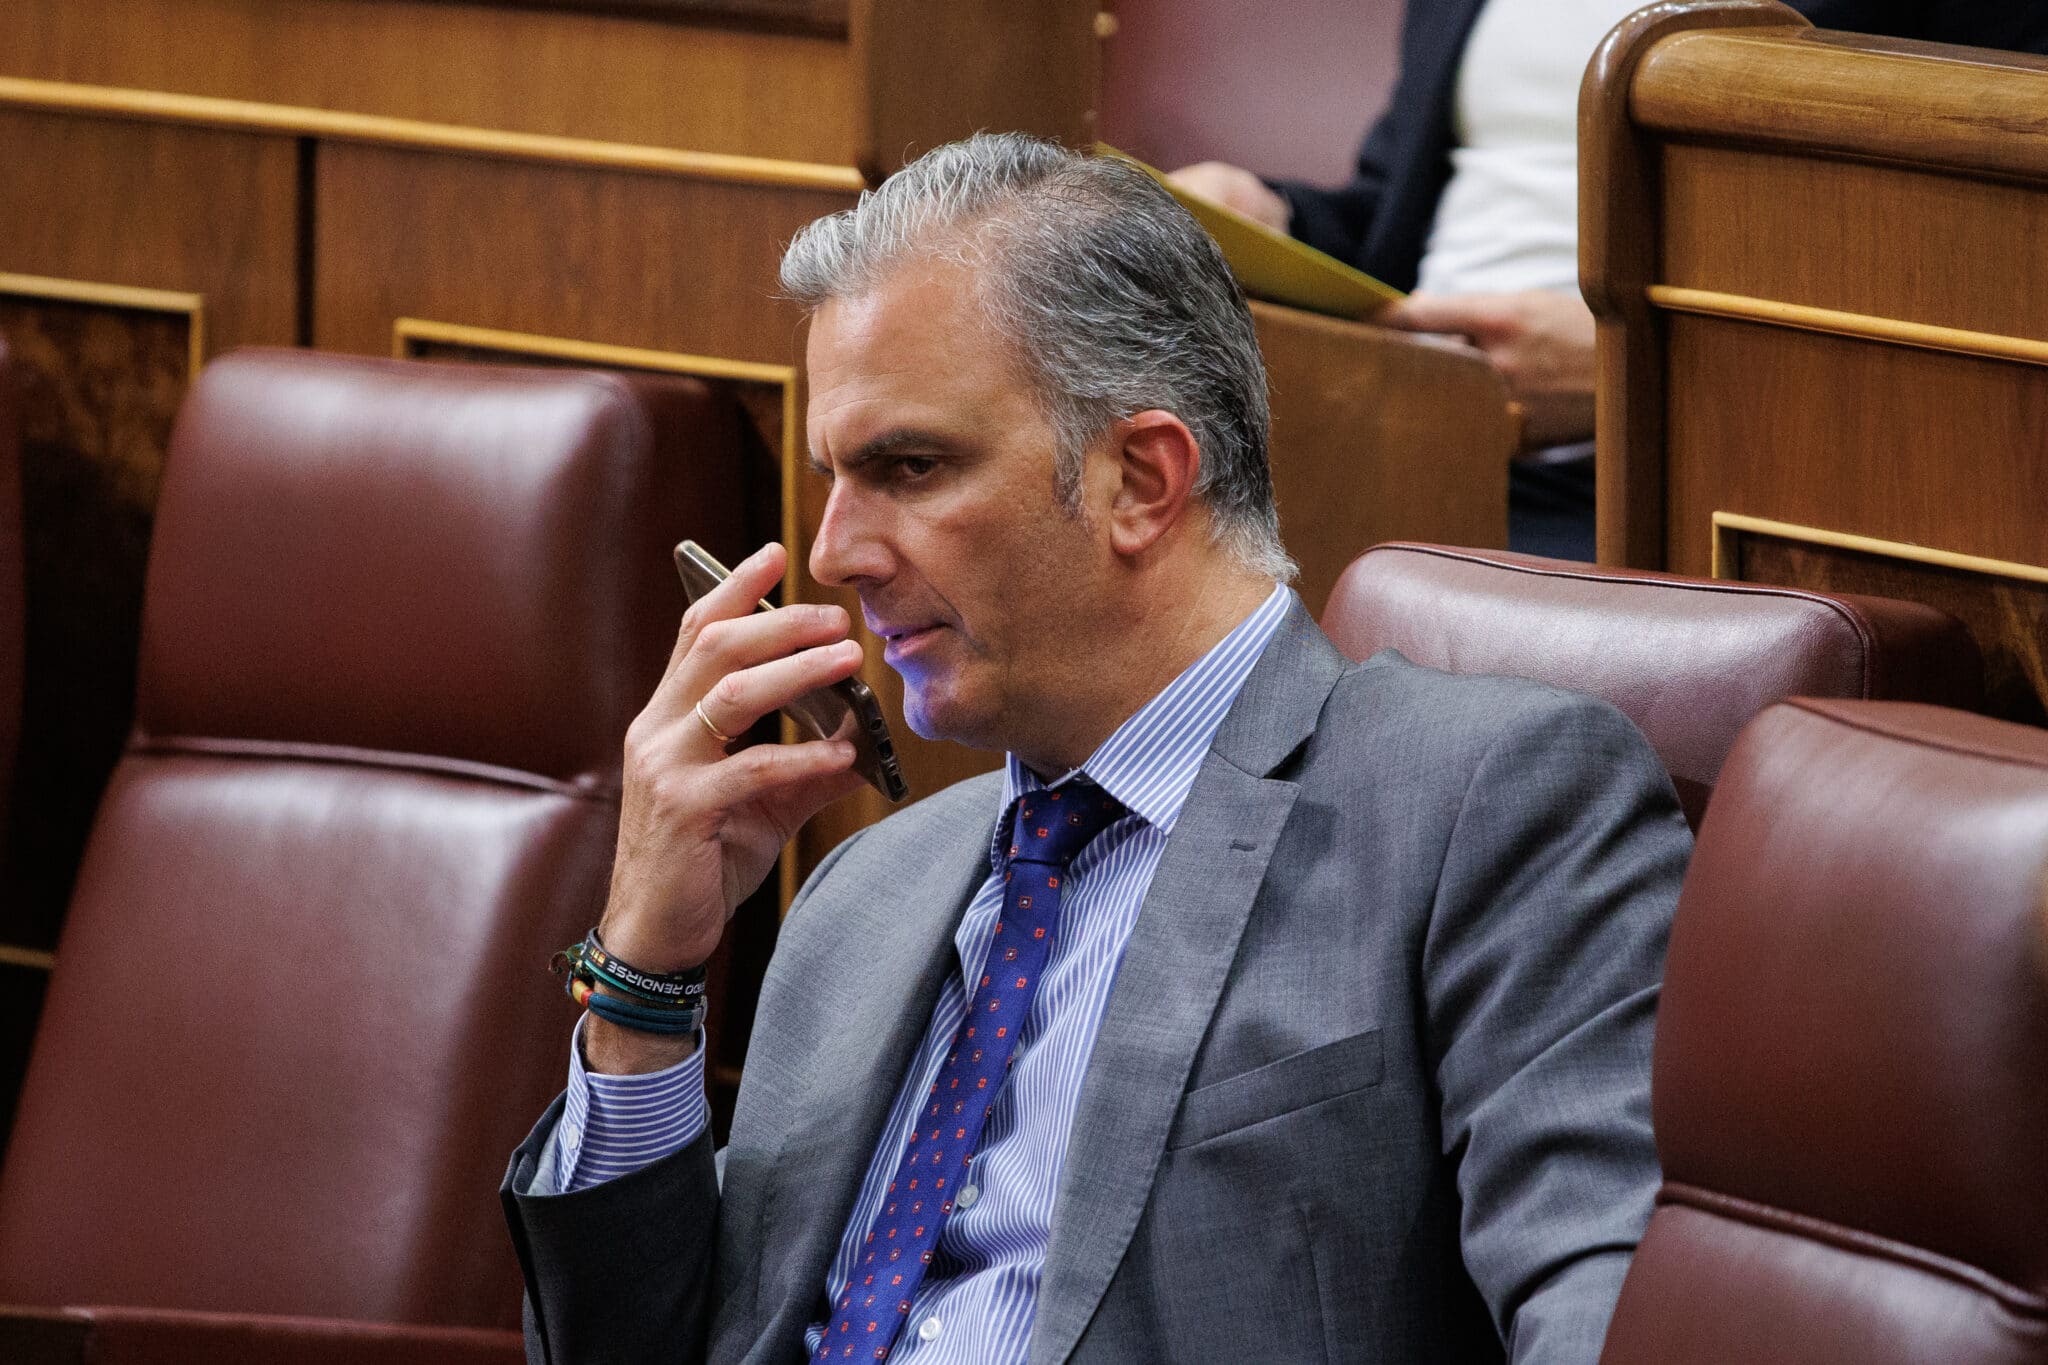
702	87
2007	617
129	203
1381	435
819	18
99	387
636	260
1919	244
936	70
1971	110
1814	257
1618	260
1854	436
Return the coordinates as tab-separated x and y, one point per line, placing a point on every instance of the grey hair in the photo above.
1114	298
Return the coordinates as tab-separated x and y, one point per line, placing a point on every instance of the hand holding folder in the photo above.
1274	266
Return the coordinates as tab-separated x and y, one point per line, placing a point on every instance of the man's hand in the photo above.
1541	341
1235	188
699	828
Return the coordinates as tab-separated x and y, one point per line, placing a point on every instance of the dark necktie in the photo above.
1048	829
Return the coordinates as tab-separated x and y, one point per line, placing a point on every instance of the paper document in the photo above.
1275	267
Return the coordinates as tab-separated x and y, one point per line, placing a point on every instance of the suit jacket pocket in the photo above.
1267	1092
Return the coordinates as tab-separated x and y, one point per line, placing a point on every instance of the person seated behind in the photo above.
1466	191
1264	1006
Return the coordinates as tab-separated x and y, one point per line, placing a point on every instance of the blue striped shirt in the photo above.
976	1302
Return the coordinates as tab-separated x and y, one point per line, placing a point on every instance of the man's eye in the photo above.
915	466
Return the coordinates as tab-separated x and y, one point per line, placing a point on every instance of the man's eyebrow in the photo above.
893	442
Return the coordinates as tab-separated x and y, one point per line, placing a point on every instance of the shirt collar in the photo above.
1150	762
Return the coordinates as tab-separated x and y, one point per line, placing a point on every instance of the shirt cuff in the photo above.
614	1125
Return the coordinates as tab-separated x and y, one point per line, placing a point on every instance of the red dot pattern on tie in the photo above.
1049	829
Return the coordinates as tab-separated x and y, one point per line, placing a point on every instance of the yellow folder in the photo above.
1275	267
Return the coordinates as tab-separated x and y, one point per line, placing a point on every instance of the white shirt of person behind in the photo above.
1508	219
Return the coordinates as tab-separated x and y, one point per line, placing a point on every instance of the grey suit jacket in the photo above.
1373	1083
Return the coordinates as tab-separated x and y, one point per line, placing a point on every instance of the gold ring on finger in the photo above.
721	736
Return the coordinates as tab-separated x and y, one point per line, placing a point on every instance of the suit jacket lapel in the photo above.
1172	974
881	1006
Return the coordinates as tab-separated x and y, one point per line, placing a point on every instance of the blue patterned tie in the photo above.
1048	829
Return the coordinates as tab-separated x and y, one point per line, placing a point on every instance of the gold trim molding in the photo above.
405	331
193	306
32	958
1860	326
1729	524
207	111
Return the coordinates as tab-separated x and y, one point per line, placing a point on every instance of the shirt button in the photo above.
571	1134
967	1197
928	1330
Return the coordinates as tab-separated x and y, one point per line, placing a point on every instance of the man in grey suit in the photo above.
1329	1032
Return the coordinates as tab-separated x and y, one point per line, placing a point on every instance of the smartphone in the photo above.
843	710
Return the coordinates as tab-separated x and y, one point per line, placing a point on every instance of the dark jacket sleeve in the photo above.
1380	219
2007	25
619	1272
1542	961
1336	220
1350	221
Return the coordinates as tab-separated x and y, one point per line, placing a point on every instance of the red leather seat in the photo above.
1689	660
1850	1084
398	616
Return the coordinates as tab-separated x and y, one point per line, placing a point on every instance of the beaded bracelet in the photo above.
652	1002
633	1015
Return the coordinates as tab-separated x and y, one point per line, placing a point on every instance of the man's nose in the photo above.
849	548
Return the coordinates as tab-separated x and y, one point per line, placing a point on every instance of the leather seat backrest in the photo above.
1689	660
1850	1086
398	616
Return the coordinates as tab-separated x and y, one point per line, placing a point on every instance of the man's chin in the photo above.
934	715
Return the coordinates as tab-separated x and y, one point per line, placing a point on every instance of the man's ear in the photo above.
1158	461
